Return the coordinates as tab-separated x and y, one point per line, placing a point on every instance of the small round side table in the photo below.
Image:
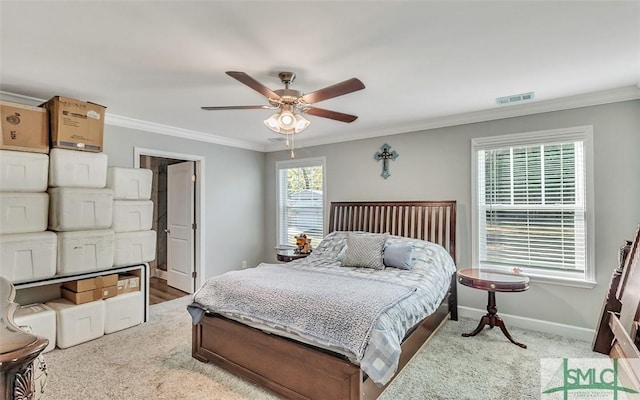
289	255
493	281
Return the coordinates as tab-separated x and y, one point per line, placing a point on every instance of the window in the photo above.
300	199
533	204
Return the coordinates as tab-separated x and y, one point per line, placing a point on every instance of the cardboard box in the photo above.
24	128
81	297
82	285
128	283
106	281
89	295
109	291
75	124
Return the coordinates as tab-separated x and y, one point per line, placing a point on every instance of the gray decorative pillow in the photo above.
399	256
365	250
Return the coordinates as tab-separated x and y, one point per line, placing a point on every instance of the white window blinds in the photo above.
300	200
531	204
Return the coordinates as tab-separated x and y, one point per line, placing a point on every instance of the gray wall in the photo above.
233	193
436	165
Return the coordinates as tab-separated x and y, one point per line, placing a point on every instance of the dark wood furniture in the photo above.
620	336
299	371
289	255
492	282
19	377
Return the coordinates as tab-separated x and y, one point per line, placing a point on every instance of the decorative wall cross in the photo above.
385	155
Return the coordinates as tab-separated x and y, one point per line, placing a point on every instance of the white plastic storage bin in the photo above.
122	311
71	168
85	251
28	256
134	248
77	209
132	215
130	183
23	212
23	172
39	320
77	323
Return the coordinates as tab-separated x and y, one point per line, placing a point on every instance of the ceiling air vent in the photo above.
515	98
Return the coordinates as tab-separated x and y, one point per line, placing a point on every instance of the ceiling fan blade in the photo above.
321	112
239	108
253	84
348	86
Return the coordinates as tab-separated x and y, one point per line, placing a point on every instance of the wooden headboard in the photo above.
434	221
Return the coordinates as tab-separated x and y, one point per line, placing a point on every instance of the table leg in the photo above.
492	319
505	332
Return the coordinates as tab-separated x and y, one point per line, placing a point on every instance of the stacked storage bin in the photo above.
132	215
135	242
40	319
27	252
80	211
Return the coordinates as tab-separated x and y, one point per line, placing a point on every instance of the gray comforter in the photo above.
307	301
418	293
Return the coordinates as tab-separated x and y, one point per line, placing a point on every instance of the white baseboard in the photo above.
158	273
539	325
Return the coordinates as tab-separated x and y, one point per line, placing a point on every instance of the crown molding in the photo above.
146	126
507	111
132	123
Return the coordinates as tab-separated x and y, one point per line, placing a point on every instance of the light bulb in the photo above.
286	119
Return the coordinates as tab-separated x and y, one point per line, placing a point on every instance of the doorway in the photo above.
174	257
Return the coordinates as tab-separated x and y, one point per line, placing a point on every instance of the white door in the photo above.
180	226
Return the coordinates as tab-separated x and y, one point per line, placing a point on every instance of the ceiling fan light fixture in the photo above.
301	123
272	122
290	103
287	122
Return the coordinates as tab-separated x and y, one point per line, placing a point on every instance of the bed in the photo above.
293	366
618	333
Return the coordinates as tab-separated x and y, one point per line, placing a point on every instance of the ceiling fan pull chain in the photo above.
293	138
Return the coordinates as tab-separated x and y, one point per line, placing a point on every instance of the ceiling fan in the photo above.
291	103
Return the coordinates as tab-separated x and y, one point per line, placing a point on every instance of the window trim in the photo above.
299	163
562	135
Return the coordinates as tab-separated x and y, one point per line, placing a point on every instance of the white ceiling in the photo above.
424	63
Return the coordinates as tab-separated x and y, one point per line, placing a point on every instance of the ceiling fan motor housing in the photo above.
287	96
287	77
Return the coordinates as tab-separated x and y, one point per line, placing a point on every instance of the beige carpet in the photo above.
153	361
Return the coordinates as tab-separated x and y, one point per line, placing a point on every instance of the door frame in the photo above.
199	237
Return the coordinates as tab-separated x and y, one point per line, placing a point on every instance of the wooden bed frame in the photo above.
618	333
299	371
